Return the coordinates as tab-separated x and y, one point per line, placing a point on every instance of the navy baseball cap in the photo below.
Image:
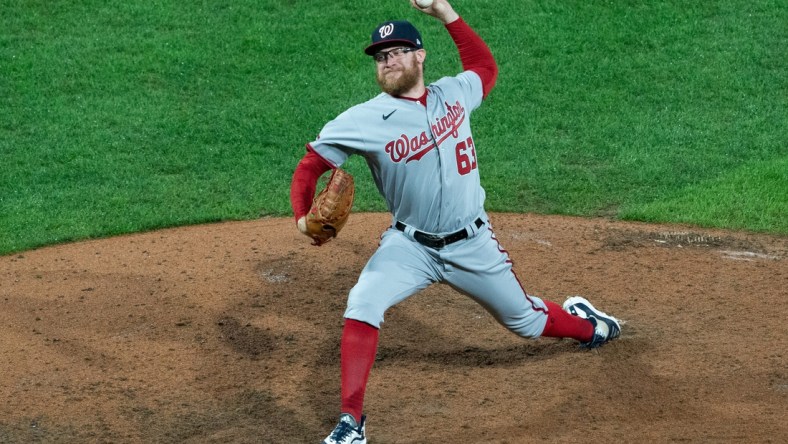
392	33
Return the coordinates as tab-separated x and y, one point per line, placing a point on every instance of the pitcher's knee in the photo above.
528	327
364	309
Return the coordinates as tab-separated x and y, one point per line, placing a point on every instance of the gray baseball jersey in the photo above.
422	160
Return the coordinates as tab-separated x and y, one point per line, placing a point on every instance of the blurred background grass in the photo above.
126	116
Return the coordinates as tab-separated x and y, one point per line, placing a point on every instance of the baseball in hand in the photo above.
301	224
424	3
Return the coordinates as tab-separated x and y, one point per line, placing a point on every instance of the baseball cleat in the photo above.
348	431
606	327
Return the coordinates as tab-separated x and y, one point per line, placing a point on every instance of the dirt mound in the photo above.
230	333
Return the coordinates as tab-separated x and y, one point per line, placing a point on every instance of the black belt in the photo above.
438	242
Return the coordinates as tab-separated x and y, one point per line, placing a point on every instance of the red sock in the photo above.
561	324
358	348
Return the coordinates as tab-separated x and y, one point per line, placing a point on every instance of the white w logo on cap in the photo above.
386	31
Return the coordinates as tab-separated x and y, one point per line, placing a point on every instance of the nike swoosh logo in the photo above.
386	116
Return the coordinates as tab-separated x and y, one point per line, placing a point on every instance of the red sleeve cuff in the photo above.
304	183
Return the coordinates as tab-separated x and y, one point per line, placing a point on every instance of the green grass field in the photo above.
126	116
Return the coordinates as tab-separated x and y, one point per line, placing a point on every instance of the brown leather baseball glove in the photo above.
330	208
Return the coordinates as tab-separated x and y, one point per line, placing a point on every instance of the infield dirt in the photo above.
229	333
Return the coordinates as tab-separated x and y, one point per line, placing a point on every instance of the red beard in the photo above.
396	85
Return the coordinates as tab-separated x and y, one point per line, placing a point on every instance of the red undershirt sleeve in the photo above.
475	55
304	183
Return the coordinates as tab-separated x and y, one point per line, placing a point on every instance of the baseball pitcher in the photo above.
417	140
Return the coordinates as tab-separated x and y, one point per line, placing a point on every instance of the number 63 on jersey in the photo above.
466	156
